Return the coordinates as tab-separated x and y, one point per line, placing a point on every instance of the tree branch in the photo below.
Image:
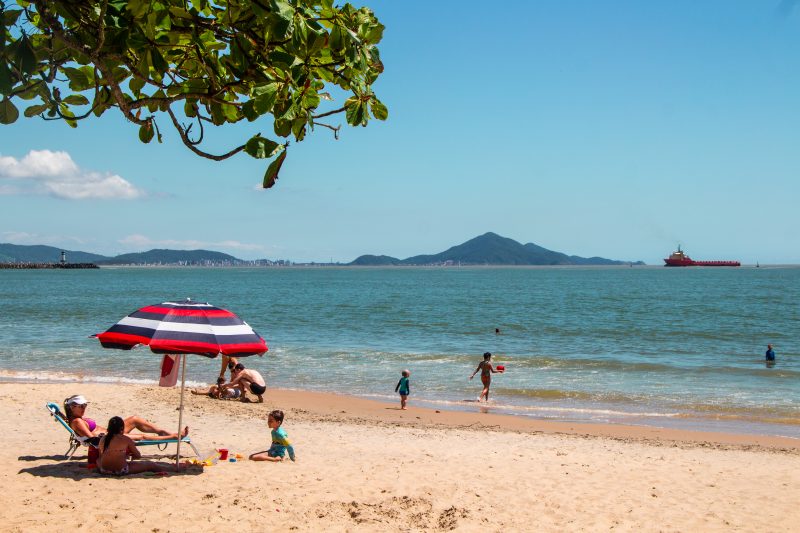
329	113
193	148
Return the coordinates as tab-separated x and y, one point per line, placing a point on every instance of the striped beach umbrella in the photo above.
185	327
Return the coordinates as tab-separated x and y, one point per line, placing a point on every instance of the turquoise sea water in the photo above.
643	345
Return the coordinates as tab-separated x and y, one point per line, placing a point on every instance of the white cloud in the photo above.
24	237
140	241
56	174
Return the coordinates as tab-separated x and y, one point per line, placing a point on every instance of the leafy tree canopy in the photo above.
192	63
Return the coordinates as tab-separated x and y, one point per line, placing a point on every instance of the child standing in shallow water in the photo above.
486	369
280	441
403	388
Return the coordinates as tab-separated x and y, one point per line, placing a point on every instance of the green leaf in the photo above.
6	84
136	85
190	108
299	128
34	110
76	99
68	115
25	55
8	112
261	147
249	112
271	175
283	127
354	111
217	114
146	132
78	80
157	60
282	19
264	97
282	59
379	110
336	40
231	113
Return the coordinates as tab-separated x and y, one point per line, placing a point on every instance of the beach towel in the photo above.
169	370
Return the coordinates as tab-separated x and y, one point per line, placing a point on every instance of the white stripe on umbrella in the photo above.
208	329
188	304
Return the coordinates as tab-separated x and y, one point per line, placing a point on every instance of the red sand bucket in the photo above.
501	368
223	454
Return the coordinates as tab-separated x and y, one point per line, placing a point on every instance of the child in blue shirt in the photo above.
280	441
403	388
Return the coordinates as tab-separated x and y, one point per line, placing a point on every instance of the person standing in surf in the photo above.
486	369
403	388
770	355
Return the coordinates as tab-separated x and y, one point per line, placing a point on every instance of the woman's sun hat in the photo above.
76	400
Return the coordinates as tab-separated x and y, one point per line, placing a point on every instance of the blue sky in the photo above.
617	129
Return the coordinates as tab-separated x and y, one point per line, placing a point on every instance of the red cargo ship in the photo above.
680	259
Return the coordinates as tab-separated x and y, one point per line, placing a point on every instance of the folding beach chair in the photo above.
76	441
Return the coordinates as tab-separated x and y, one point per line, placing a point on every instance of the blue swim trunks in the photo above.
277	450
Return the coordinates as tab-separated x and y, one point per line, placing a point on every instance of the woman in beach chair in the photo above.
75	409
116	447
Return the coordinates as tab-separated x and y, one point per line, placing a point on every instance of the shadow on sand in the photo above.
78	470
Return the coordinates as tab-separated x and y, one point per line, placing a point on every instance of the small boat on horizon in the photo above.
680	259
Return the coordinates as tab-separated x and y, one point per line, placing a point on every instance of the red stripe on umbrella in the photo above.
110	337
214	312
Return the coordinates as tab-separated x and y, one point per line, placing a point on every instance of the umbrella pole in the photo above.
180	413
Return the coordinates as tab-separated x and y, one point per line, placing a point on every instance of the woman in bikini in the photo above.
115	448
486	369
75	408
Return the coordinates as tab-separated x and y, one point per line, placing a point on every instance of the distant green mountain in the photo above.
492	249
16	253
171	257
376	260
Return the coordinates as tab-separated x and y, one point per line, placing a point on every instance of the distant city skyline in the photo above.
619	130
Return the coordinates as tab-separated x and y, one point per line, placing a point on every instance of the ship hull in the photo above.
692	262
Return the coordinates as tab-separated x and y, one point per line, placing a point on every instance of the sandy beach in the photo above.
367	466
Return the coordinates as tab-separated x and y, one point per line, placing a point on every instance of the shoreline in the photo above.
676	428
350	408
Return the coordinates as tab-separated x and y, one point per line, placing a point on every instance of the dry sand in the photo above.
367	466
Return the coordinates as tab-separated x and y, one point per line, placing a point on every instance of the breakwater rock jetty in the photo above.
46	265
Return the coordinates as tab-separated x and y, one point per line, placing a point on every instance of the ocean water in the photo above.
643	345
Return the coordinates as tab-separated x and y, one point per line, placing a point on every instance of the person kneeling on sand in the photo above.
216	391
280	441
115	448
245	379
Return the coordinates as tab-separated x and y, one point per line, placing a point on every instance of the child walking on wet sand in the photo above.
403	388
280	441
486	369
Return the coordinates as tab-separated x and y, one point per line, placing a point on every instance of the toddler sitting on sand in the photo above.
216	391
280	441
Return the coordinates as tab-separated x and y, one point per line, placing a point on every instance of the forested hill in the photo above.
491	249
14	253
171	257
17	253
